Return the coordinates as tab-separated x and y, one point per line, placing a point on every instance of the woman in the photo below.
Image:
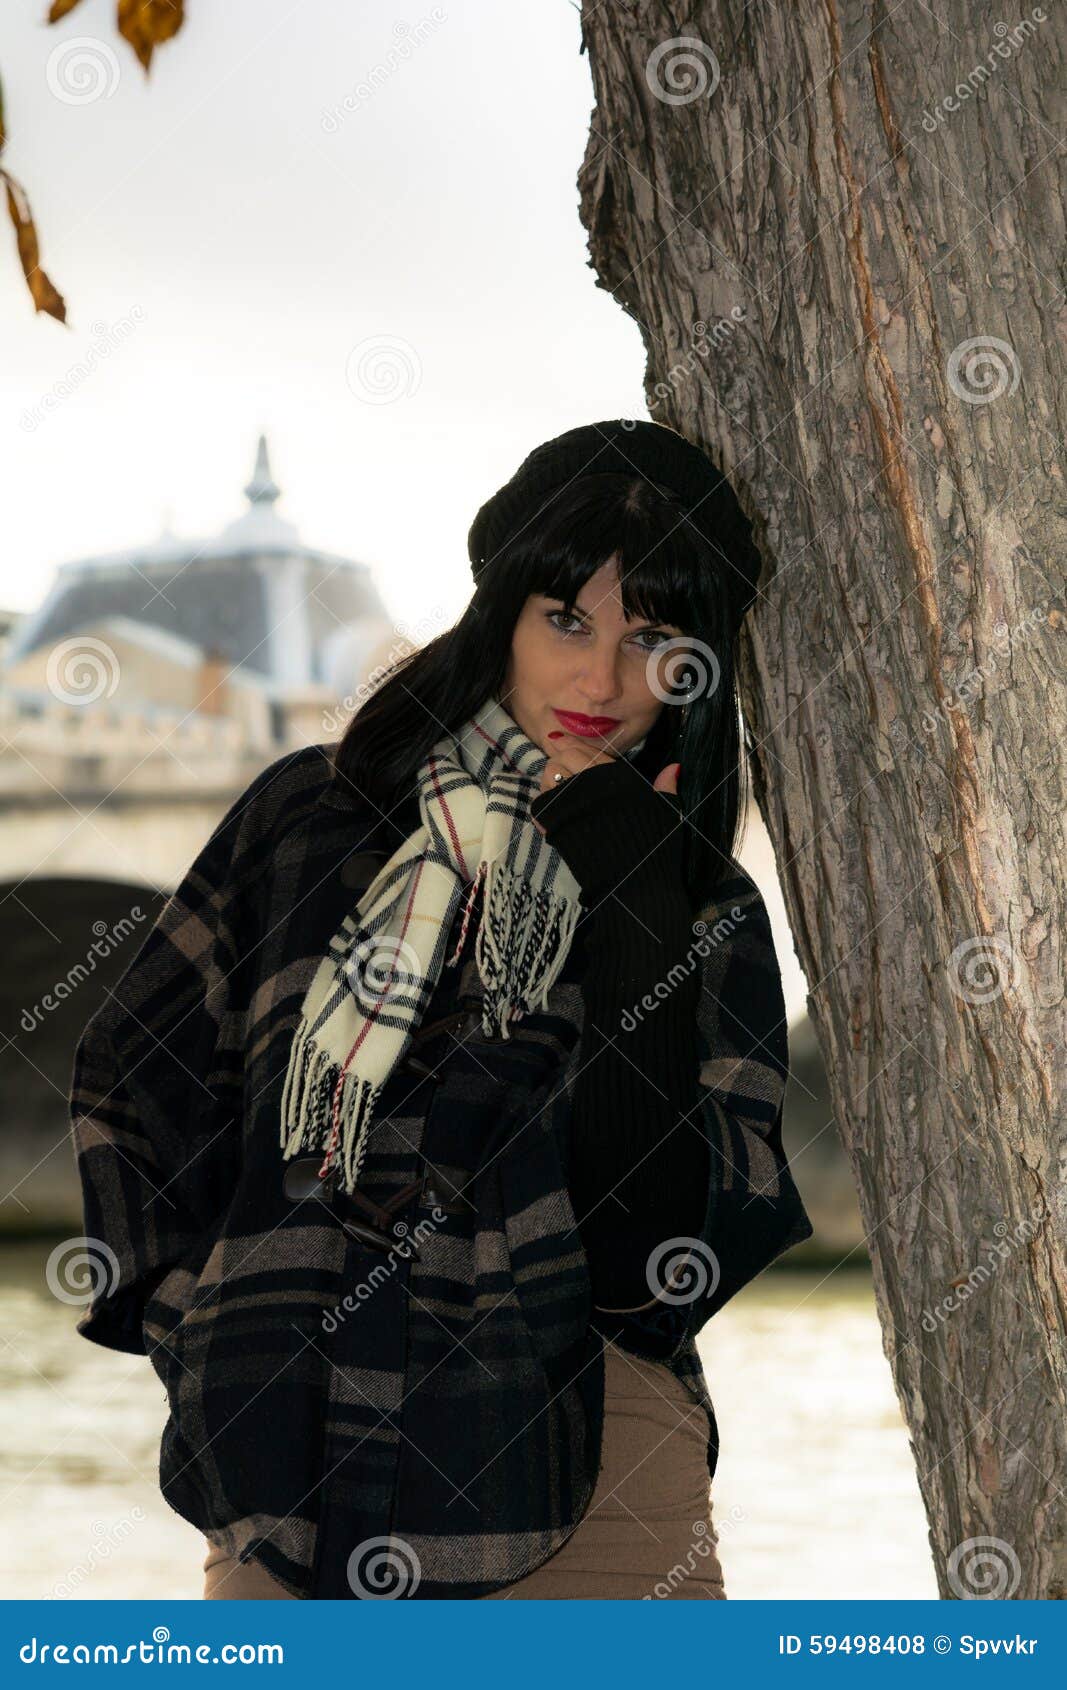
419	1242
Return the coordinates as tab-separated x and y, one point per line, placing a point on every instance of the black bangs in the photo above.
560	542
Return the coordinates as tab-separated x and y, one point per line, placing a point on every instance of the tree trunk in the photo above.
840	229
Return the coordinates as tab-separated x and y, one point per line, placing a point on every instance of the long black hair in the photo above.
668	573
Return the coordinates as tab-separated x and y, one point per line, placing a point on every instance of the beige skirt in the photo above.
647	1531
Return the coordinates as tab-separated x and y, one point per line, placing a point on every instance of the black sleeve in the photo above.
155	1091
638	1167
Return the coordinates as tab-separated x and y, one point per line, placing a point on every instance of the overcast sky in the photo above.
231	232
298	224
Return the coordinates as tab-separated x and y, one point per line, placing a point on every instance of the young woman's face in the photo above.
589	671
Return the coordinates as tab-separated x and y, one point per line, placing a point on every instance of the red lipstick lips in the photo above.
590	727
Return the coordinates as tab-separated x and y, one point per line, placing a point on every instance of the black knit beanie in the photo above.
651	450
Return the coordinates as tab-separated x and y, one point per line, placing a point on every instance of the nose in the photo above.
598	682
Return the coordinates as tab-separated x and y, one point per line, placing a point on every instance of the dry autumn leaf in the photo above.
146	24
45	296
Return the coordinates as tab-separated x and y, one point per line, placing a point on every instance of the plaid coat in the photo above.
399	1392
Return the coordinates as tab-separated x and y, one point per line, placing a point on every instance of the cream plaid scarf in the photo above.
372	986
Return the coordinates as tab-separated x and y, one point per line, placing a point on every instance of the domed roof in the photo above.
254	593
259	528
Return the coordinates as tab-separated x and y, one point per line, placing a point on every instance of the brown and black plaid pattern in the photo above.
326	1394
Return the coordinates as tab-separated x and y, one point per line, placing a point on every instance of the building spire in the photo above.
262	489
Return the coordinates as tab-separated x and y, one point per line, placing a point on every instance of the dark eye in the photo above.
655	634
568	616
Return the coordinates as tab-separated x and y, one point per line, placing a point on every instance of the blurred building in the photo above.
136	703
217	653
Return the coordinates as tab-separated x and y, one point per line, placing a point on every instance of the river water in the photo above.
815	1493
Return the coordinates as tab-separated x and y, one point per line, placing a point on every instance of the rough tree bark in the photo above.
841	230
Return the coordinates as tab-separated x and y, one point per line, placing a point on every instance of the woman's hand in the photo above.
609	825
572	754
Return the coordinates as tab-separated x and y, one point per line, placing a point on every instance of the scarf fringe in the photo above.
522	942
307	1108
